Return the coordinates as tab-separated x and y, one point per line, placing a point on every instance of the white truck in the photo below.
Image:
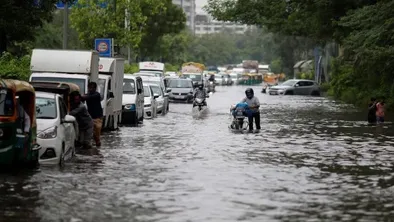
111	73
78	67
156	68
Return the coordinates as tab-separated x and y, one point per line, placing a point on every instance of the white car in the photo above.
55	129
159	81
159	100
150	105
132	100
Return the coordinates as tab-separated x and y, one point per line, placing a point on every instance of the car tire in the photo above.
315	93
289	93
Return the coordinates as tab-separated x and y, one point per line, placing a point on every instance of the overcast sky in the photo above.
200	4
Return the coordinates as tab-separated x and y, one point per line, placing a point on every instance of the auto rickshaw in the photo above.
62	88
16	146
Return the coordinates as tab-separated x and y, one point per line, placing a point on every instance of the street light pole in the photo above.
65	24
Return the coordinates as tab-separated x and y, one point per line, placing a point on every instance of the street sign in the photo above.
104	46
60	4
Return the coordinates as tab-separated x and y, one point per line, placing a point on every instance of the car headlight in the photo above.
130	107
49	133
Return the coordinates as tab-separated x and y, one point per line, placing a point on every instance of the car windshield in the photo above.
156	90
6	102
180	84
129	86
194	77
79	82
46	108
146	91
289	83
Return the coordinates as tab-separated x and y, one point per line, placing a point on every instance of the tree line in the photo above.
363	29
156	31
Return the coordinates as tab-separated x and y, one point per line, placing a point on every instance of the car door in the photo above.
139	97
299	88
309	87
67	128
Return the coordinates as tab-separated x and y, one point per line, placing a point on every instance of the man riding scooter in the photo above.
200	93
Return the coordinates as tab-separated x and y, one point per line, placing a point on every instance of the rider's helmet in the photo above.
195	85
200	86
249	93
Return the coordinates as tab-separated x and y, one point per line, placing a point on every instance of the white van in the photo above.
132	100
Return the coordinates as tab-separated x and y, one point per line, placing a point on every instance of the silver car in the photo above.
296	87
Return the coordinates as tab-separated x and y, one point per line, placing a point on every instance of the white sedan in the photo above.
55	129
150	104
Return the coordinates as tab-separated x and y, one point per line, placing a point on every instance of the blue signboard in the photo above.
104	47
60	4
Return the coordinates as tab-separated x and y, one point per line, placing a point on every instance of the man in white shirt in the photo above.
254	105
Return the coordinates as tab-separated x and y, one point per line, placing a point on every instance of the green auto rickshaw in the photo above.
17	136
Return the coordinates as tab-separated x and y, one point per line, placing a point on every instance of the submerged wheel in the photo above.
289	93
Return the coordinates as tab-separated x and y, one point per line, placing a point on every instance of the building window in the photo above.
218	29
207	28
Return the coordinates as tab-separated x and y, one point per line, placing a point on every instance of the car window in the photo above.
63	109
129	86
146	91
180	84
157	90
309	83
45	108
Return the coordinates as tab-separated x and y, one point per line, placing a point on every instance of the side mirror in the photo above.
69	119
169	90
155	96
111	95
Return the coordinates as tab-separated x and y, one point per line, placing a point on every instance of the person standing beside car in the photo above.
85	122
93	100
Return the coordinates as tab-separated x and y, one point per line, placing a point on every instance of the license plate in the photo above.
273	93
178	97
240	114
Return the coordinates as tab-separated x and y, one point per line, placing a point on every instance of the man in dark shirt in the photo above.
93	100
372	111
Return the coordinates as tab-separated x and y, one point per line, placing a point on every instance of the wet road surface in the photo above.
314	160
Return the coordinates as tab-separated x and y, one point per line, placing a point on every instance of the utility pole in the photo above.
65	24
127	27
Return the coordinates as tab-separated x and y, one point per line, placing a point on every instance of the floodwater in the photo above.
313	160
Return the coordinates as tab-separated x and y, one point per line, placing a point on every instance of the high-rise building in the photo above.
205	24
189	7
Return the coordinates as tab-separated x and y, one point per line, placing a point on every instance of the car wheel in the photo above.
315	93
289	93
61	159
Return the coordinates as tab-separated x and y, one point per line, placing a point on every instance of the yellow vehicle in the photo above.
193	71
16	145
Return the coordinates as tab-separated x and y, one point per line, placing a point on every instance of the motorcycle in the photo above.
200	102
211	86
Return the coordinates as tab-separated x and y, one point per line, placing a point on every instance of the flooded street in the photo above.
314	160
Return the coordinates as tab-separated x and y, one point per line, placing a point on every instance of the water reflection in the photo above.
314	160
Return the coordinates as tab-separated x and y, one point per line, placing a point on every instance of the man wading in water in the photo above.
93	100
372	111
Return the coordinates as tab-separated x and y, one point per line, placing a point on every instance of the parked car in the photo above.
132	100
157	90
181	90
296	87
55	129
159	81
150	105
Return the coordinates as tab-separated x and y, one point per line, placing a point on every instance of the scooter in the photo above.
200	102
239	122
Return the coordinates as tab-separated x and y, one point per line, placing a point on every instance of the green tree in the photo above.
19	20
92	21
317	19
170	19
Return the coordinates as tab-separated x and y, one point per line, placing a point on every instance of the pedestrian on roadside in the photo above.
372	111
93	100
85	122
380	109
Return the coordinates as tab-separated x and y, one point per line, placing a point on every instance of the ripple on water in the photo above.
314	160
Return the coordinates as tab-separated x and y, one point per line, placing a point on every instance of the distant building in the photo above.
189	7
205	24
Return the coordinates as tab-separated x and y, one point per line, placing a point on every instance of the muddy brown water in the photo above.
314	160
